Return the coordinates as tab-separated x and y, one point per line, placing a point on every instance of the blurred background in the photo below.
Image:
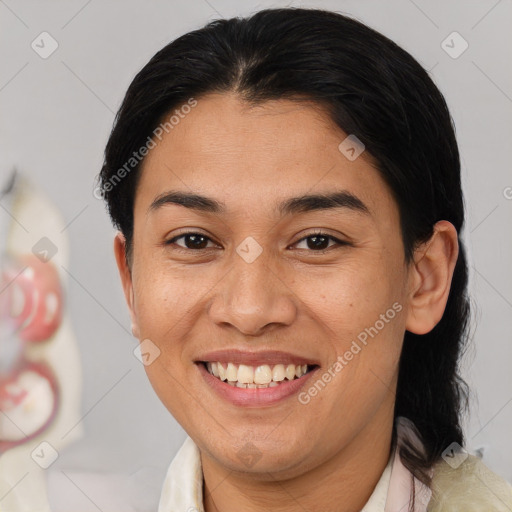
65	68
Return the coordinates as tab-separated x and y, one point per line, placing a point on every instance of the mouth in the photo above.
256	377
249	379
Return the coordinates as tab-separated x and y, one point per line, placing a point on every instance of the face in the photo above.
251	277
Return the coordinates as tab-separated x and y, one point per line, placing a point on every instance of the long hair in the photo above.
371	88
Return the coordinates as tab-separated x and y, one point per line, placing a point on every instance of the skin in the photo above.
327	454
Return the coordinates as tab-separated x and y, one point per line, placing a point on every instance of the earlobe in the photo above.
430	278
126	279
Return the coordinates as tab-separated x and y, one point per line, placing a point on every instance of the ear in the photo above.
126	279
430	278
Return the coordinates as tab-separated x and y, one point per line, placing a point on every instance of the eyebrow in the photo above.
301	204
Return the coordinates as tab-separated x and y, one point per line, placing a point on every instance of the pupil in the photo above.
198	241
319	242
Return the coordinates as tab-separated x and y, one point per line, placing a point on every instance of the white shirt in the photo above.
182	490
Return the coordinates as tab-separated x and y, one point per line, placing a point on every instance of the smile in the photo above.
262	376
261	385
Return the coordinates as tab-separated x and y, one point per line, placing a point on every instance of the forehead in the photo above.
253	157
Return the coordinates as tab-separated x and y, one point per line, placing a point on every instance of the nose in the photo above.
253	297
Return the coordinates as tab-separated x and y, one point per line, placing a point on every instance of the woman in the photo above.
287	192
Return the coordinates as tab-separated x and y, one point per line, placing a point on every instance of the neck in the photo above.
343	483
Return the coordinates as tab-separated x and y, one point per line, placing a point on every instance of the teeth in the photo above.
222	371
290	371
300	370
231	372
245	374
278	373
263	376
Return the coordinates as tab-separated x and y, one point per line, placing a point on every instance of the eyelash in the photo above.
340	243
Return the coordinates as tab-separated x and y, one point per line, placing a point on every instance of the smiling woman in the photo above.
290	248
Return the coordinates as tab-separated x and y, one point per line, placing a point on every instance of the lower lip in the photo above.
255	397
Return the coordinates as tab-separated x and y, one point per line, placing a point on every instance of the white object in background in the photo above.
38	227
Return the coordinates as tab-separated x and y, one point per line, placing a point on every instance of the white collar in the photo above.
182	490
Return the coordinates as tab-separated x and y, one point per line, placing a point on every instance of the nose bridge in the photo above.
252	295
251	281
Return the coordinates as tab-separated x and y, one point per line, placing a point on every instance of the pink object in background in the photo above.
32	299
30	312
29	398
40	371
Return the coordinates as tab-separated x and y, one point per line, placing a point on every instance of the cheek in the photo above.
162	297
163	306
351	296
360	312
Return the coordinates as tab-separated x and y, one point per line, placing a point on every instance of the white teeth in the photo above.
222	371
231	372
263	376
278	373
245	374
290	372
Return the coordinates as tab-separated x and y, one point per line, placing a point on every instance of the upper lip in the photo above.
254	358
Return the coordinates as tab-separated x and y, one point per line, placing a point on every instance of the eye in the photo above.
319	242
316	242
193	241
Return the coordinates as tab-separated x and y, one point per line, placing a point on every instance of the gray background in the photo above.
56	117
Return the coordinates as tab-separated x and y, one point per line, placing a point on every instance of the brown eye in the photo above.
319	242
191	241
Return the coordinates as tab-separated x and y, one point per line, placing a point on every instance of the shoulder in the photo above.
469	487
